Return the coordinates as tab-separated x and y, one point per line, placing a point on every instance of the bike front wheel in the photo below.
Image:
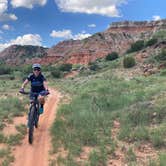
31	124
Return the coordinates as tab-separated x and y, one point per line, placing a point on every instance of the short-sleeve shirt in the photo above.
36	82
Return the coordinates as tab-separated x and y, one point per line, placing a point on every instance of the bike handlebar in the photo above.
35	93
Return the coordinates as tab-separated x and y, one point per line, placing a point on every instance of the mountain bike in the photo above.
33	115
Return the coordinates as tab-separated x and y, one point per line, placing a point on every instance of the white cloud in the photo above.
3	15
27	3
28	39
92	25
3	6
67	34
104	7
81	36
156	18
6	27
8	17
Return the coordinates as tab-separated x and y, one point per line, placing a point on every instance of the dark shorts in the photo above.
31	96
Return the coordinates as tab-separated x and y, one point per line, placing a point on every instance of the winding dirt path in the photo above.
37	154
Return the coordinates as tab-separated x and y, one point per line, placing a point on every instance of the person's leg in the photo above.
41	101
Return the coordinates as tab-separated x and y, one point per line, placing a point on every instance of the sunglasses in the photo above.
36	69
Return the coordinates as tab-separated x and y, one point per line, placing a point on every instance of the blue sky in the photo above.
47	22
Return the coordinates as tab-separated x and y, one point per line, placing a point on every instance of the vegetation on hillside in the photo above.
97	101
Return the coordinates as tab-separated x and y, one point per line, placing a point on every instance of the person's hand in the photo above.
21	90
47	92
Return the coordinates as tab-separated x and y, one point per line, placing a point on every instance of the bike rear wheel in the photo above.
31	124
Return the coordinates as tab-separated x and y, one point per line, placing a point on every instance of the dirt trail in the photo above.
38	153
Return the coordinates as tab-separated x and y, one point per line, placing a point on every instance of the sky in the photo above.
47	22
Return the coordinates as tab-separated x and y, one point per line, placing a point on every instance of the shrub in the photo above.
128	62
11	77
26	69
93	66
65	67
138	45
161	34
4	70
161	56
112	56
130	155
56	73
151	42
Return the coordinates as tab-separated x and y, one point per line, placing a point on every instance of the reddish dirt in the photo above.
11	128
38	153
143	152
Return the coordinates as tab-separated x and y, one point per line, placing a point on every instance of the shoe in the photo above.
41	110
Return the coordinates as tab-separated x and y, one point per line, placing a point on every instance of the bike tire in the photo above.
31	124
36	121
37	116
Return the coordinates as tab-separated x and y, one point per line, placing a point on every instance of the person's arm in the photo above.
24	83
45	85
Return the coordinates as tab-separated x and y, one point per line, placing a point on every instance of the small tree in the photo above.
56	73
4	70
151	42
138	45
112	56
161	56
65	67
93	66
128	62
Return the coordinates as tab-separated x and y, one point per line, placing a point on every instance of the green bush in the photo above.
26	69
4	70
65	67
128	62
112	56
161	35
93	66
151	42
56	73
138	45
130	155
161	56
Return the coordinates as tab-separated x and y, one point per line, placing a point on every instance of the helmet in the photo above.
36	65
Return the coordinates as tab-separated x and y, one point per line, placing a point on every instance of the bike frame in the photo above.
33	115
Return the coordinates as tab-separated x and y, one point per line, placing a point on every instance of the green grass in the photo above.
97	100
13	140
130	156
22	129
4	152
160	161
8	160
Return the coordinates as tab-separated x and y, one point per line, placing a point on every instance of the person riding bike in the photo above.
38	85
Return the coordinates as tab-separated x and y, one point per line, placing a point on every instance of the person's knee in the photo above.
41	99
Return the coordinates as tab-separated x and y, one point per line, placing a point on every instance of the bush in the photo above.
112	56
128	62
161	35
161	56
56	73
65	67
151	42
136	46
4	70
26	69
93	66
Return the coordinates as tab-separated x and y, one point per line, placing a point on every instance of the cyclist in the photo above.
38	85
